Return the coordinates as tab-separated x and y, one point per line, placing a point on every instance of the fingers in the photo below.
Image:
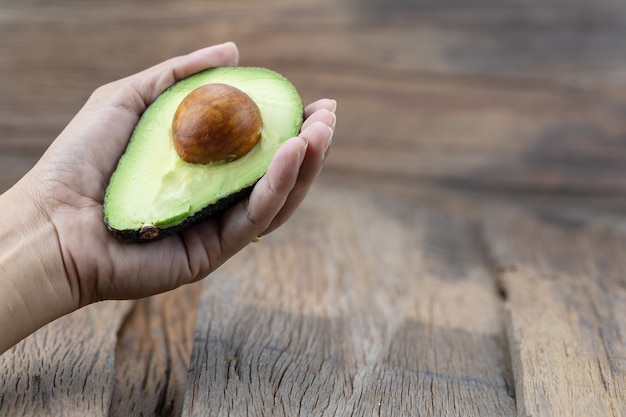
250	217
223	55
153	81
319	136
293	170
138	91
324	116
325	103
320	111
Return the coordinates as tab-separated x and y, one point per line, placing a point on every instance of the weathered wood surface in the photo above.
360	309
518	98
462	255
66	368
152	357
566	298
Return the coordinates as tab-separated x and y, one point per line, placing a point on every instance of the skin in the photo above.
56	255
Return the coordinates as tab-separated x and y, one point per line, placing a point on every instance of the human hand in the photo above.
60	200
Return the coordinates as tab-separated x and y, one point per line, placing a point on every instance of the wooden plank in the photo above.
517	98
450	102
563	274
65	368
152	355
359	306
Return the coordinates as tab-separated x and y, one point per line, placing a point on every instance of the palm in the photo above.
77	181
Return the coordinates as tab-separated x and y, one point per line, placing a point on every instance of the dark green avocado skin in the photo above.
157	233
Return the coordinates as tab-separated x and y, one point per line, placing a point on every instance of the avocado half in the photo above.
154	192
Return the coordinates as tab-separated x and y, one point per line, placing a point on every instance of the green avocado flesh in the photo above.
154	192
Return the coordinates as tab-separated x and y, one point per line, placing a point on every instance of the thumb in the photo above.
148	84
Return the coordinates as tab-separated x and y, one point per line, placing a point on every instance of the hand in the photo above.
60	200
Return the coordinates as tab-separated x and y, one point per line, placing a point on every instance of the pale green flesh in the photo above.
152	185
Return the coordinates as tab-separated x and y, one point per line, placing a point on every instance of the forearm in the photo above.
32	289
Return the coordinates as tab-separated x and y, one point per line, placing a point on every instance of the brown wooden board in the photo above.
359	307
564	280
515	99
66	368
152	355
386	294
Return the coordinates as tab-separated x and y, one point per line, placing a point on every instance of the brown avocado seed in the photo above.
215	123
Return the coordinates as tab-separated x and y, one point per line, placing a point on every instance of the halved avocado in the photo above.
154	192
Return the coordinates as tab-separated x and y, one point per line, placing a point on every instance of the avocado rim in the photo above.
151	233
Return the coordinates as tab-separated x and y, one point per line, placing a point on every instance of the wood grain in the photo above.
152	355
65	368
471	135
564	280
360	308
521	99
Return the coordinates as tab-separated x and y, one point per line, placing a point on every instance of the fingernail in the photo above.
303	148
328	142
334	107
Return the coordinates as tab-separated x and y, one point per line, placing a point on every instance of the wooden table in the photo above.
464	252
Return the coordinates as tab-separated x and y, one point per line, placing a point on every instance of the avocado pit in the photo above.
216	123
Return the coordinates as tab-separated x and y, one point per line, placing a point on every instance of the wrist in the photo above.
33	287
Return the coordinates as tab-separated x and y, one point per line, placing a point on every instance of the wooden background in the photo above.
464	252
